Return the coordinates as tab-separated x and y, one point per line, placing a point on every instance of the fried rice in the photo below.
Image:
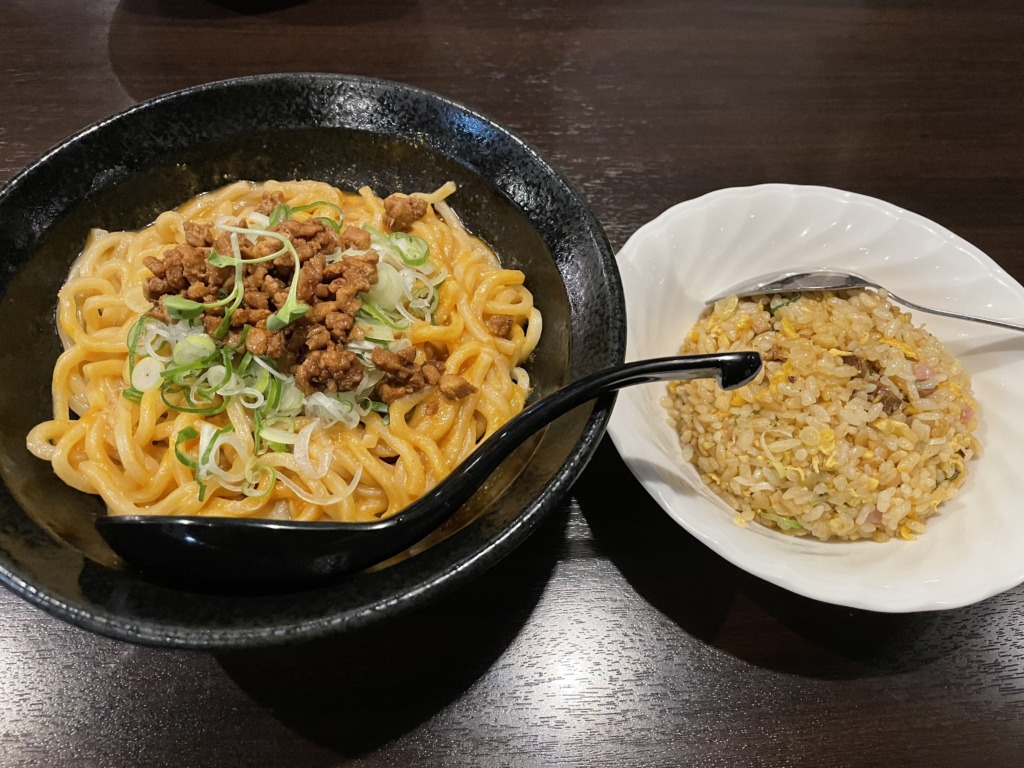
859	426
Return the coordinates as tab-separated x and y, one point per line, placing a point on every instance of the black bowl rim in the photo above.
462	568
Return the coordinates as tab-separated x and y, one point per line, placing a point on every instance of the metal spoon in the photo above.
796	281
232	553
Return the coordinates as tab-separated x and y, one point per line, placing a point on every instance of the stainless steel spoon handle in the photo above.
957	315
821	279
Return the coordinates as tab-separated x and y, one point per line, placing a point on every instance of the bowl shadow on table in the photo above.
326	11
356	692
740	614
147	65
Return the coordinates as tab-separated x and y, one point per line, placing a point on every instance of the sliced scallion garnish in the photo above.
134	335
413	250
374	312
186	434
284	212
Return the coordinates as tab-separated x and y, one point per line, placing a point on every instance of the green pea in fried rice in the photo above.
858	427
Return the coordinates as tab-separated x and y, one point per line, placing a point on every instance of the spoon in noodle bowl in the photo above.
219	553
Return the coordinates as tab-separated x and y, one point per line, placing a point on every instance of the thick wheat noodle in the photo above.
100	442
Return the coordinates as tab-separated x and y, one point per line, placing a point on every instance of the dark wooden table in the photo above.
611	637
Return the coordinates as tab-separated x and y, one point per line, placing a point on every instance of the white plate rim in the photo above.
900	598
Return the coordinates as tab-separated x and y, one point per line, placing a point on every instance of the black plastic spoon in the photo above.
223	553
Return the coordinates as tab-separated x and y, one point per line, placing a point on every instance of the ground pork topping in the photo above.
312	346
403	210
500	326
299	307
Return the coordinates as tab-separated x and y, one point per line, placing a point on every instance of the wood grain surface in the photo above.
611	638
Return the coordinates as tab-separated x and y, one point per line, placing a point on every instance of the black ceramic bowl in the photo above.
348	131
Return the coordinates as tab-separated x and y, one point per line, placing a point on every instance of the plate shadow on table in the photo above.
740	614
341	692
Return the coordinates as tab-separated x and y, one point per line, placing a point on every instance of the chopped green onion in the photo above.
218	375
283	212
176	389
241	339
134	335
387	291
329	223
777	307
174	373
132	394
279	214
257	428
332	409
193	349
211	447
189	433
413	250
273	394
782	522
318	204
291	398
376	313
146	375
279	436
270	366
378	333
253	472
243	365
377	237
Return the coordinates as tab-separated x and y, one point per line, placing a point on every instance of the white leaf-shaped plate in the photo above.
974	546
